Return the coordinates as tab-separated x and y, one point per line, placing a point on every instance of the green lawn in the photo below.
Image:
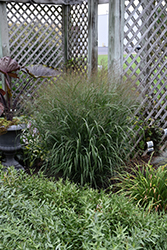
103	60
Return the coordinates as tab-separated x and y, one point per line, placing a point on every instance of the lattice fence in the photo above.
78	37
35	33
145	45
36	37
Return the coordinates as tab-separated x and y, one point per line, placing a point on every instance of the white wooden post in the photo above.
4	39
115	36
147	9
65	31
92	36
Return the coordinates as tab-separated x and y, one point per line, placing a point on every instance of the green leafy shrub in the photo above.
40	214
148	130
146	185
32	155
85	126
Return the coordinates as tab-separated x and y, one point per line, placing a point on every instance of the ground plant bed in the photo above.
41	213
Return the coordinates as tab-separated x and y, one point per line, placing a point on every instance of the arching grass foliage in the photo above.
84	126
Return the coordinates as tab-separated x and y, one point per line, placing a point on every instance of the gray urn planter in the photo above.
10	143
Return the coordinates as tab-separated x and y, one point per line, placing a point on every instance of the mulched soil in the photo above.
134	163
142	160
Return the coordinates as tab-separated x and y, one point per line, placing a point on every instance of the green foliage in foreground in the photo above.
84	127
146	185
40	214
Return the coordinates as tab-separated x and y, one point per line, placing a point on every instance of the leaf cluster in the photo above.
10	67
146	185
147	130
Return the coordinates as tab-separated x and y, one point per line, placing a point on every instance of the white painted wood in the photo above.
103	1
4	39
65	31
92	36
55	1
66	2
116	35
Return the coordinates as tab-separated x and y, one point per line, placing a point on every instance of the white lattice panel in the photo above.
35	37
78	37
145	47
35	33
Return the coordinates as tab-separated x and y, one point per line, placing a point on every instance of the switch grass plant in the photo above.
84	126
37	213
146	185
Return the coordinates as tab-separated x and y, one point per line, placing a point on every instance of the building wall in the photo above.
103	30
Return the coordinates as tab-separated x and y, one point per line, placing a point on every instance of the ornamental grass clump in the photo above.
146	185
84	125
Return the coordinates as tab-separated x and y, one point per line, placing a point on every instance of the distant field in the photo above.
102	60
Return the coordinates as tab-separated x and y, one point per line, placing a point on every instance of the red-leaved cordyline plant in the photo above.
9	67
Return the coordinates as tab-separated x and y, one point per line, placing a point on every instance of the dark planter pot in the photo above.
10	143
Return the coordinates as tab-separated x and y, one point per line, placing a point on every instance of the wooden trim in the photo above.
65	31
4	39
115	36
103	1
65	2
92	36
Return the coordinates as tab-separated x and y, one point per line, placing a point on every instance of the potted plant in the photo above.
11	127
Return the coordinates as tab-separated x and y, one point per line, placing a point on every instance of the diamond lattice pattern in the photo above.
78	37
35	33
35	37
145	60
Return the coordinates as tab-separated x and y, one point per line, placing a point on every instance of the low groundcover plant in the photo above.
84	125
37	213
